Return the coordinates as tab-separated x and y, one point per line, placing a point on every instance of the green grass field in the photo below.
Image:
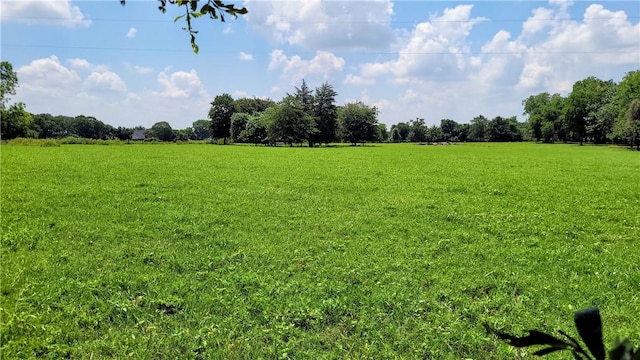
388	251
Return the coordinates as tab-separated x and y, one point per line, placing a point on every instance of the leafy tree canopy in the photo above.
358	122
222	109
8	82
162	131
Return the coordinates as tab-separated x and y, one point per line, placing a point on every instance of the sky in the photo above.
133	66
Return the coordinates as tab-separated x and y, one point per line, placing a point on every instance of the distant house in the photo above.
137	135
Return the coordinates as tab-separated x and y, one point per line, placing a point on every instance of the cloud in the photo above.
84	64
131	33
294	67
180	85
59	12
79	63
142	70
245	57
324	25
358	80
538	22
44	75
546	56
436	48
435	71
75	86
566	51
106	80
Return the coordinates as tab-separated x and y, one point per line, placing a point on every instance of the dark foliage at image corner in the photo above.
589	325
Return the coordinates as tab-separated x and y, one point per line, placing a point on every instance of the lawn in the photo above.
386	251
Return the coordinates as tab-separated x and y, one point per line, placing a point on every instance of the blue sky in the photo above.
133	65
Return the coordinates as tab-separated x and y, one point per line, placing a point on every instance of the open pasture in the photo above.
386	251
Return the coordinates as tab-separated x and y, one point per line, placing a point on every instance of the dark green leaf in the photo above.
589	325
574	343
534	338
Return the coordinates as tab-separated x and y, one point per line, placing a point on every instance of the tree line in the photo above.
498	129
306	116
594	111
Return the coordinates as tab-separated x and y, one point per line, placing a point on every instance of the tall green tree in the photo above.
305	97
418	132
463	132
382	135
289	123
162	131
504	129
222	109
325	113
582	104
395	134
253	105
358	122
479	129
47	126
628	90
184	134
201	129
90	128
434	133
544	109
15	122
403	130
256	130
534	107
8	83
633	117
122	133
602	119
449	129
238	124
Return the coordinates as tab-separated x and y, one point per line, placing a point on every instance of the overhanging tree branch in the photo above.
216	9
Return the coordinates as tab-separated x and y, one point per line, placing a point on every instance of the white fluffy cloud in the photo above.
80	87
551	52
563	50
82	64
180	85
325	25
244	56
45	75
131	33
58	12
294	67
105	80
142	70
436	48
358	80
